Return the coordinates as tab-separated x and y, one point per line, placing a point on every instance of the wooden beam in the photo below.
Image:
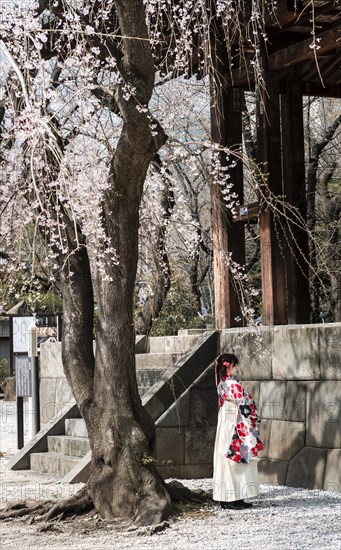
243	76
301	51
315	89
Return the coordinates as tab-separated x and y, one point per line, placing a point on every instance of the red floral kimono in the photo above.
245	443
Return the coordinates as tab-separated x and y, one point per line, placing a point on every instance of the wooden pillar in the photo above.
269	156
228	237
297	253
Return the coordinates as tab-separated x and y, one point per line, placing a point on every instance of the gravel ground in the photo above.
282	518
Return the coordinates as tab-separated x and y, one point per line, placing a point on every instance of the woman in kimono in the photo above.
235	474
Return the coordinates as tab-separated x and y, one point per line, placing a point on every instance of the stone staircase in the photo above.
65	449
151	366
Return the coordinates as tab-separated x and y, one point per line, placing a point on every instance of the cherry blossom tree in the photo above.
79	132
67	46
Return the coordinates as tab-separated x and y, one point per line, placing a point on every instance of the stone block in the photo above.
324	414
171	344
307	468
54	444
48	407
75	446
287	439
148	377
53	464
265	435
329	335
64	395
272	471
295	401
170	446
51	365
177	415
332	476
295	353
253	347
55	393
271	400
204	410
75	427
199	445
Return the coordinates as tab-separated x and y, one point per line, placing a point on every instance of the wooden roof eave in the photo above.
300	53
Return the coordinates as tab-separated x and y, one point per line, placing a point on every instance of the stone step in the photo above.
156	360
171	344
148	377
75	427
68	445
53	463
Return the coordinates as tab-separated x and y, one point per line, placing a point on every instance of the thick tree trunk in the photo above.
123	482
121	433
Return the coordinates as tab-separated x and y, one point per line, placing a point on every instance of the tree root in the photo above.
179	493
79	503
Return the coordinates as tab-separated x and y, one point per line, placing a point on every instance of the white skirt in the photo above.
231	480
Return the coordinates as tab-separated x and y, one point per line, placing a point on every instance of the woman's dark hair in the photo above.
225	358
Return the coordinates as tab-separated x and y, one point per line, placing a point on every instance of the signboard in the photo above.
23	376
20	333
47	328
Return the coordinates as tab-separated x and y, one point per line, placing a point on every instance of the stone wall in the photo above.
294	374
